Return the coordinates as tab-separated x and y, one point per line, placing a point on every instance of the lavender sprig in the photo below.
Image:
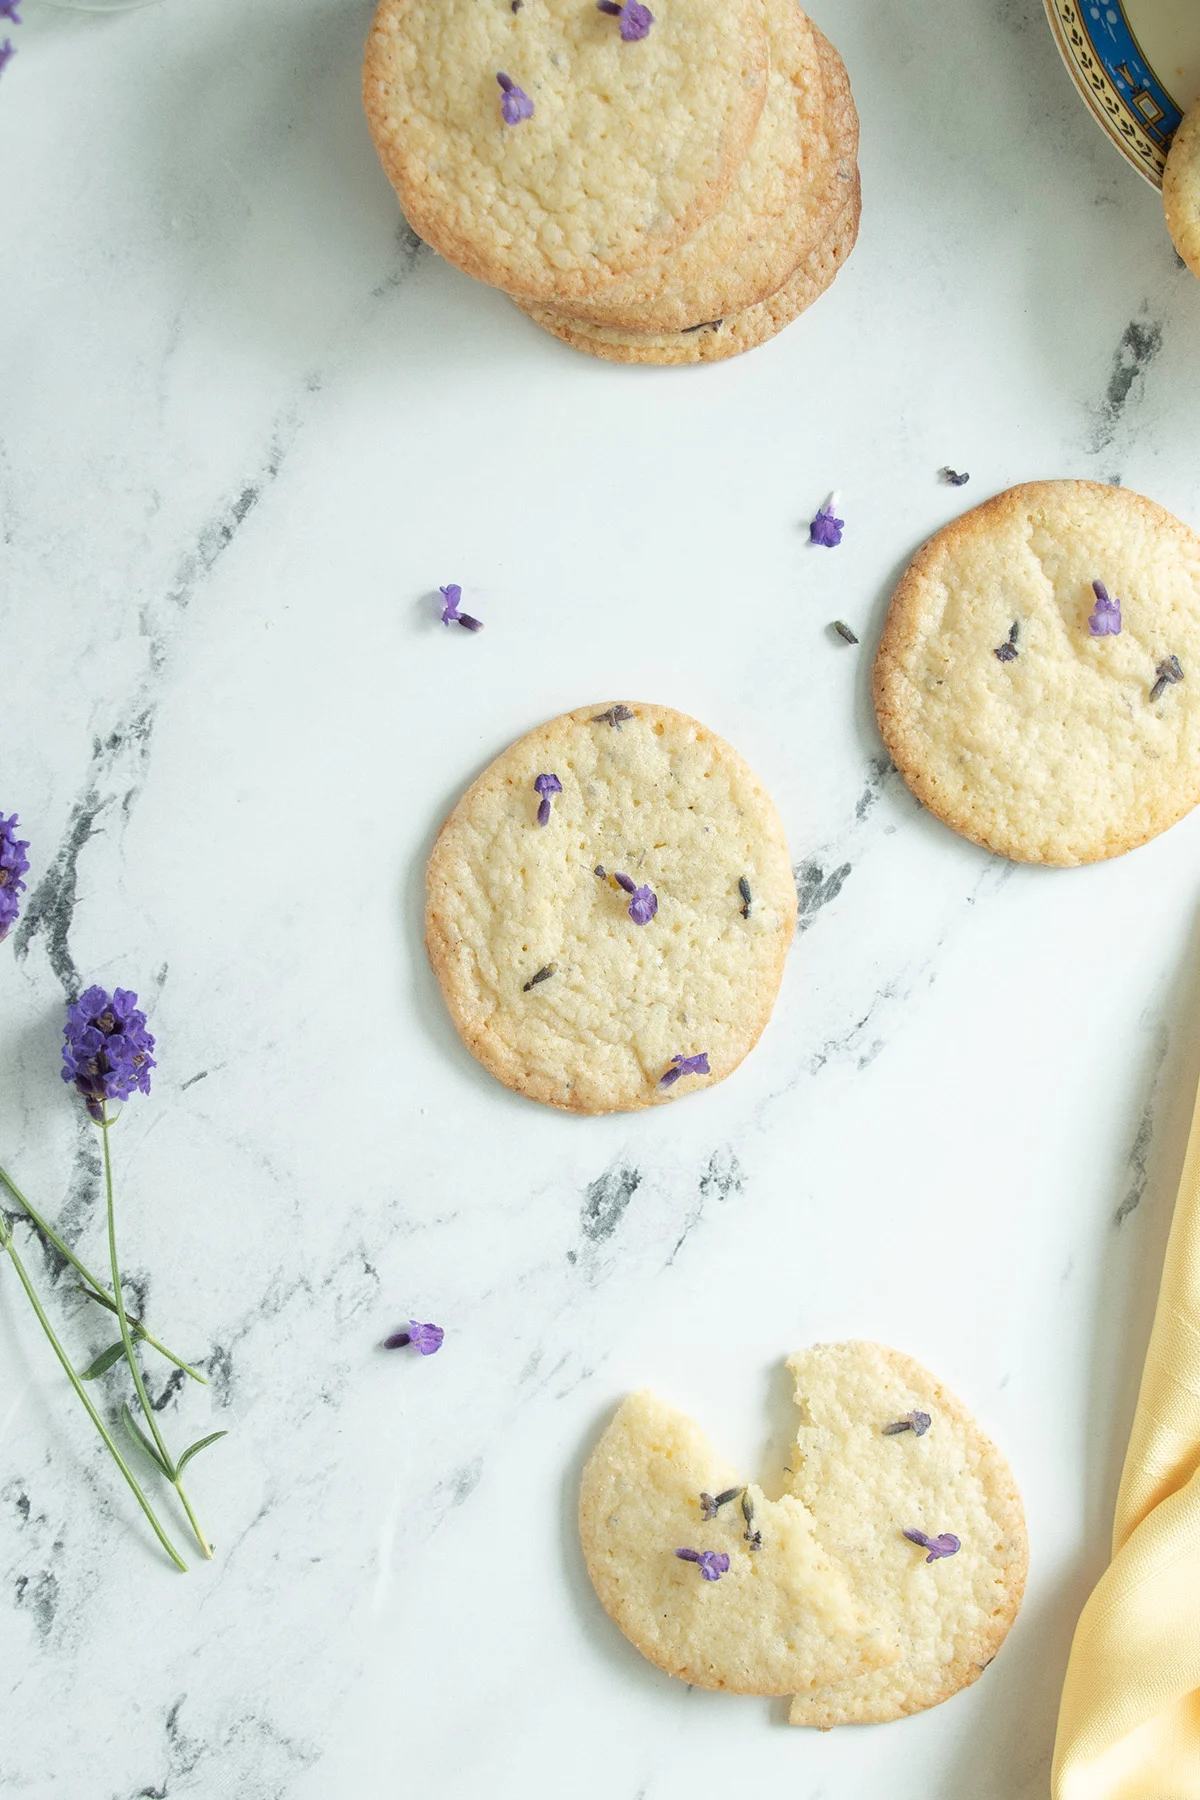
515	103
713	1563
635	18
643	903
107	1057
13	865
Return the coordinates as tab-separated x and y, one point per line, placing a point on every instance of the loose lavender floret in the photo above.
545	785
599	872
13	865
643	903
1104	620
711	1504
1007	652
844	631
614	716
1168	672
916	1422
826	528
542	975
685	1065
8	10
515	103
713	1563
451	615
635	18
944	1545
106	1048
752	1537
744	891
7	51
953	478
425	1338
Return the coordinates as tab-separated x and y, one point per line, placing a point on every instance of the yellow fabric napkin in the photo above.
1129	1724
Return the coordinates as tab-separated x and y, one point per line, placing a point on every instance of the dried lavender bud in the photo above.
643	903
704	325
7	51
710	1504
844	631
713	1563
752	1537
1104	620
542	975
13	865
916	1422
683	1065
1168	672
635	18
106	1048
425	1338
944	1545
953	478
825	529
450	611
1008	652
515	103
615	716
599	872
516	5
545	785
744	891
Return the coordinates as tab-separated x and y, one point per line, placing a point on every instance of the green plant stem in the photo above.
101	1293
6	1243
127	1339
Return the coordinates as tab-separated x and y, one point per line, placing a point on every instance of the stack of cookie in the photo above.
671	186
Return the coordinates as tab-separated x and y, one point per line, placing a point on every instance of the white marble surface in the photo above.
246	427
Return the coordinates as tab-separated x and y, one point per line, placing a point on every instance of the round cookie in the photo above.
793	185
630	147
944	1620
1181	189
782	1617
549	977
1005	716
720	338
827	1575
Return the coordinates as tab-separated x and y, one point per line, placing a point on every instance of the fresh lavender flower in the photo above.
635	18
545	785
643	903
825	528
450	611
7	51
8	10
515	103
711	1504
945	1545
425	1338
713	1563
106	1048
685	1065
1105	617
13	864
1168	671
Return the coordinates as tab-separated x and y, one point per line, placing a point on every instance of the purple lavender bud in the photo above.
685	1065
635	18
944	1545
1105	617
643	903
7	51
451	614
425	1338
515	103
106	1048
8	10
825	528
626	882
545	785
13	865
713	1563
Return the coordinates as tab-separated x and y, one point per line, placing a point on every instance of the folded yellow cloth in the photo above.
1129	1724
